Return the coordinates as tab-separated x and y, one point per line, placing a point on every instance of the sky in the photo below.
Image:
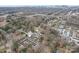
37	2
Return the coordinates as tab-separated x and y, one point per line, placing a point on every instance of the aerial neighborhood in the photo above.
39	29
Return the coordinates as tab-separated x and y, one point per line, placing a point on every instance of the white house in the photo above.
29	34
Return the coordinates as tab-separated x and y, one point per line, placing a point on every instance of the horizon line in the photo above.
32	5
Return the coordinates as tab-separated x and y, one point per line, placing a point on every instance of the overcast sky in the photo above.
38	2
